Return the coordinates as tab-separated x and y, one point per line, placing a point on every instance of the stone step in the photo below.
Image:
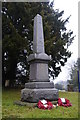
29	104
38	85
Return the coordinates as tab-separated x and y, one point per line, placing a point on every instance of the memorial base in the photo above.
34	95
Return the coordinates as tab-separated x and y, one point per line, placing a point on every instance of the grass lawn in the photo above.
0	104
9	110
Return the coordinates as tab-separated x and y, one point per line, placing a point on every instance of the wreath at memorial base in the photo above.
45	104
64	102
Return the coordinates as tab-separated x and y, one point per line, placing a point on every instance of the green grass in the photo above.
9	110
0	103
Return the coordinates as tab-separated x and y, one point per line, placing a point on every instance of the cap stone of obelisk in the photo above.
39	86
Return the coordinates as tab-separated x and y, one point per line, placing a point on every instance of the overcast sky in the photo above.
70	7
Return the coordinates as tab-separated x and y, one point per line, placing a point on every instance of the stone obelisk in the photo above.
39	86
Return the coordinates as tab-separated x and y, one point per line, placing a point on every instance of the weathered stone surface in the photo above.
34	95
38	39
39	72
41	56
38	85
28	104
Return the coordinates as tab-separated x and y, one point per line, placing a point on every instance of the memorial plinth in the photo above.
39	86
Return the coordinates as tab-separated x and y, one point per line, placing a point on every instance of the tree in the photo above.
17	29
74	76
78	63
13	43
